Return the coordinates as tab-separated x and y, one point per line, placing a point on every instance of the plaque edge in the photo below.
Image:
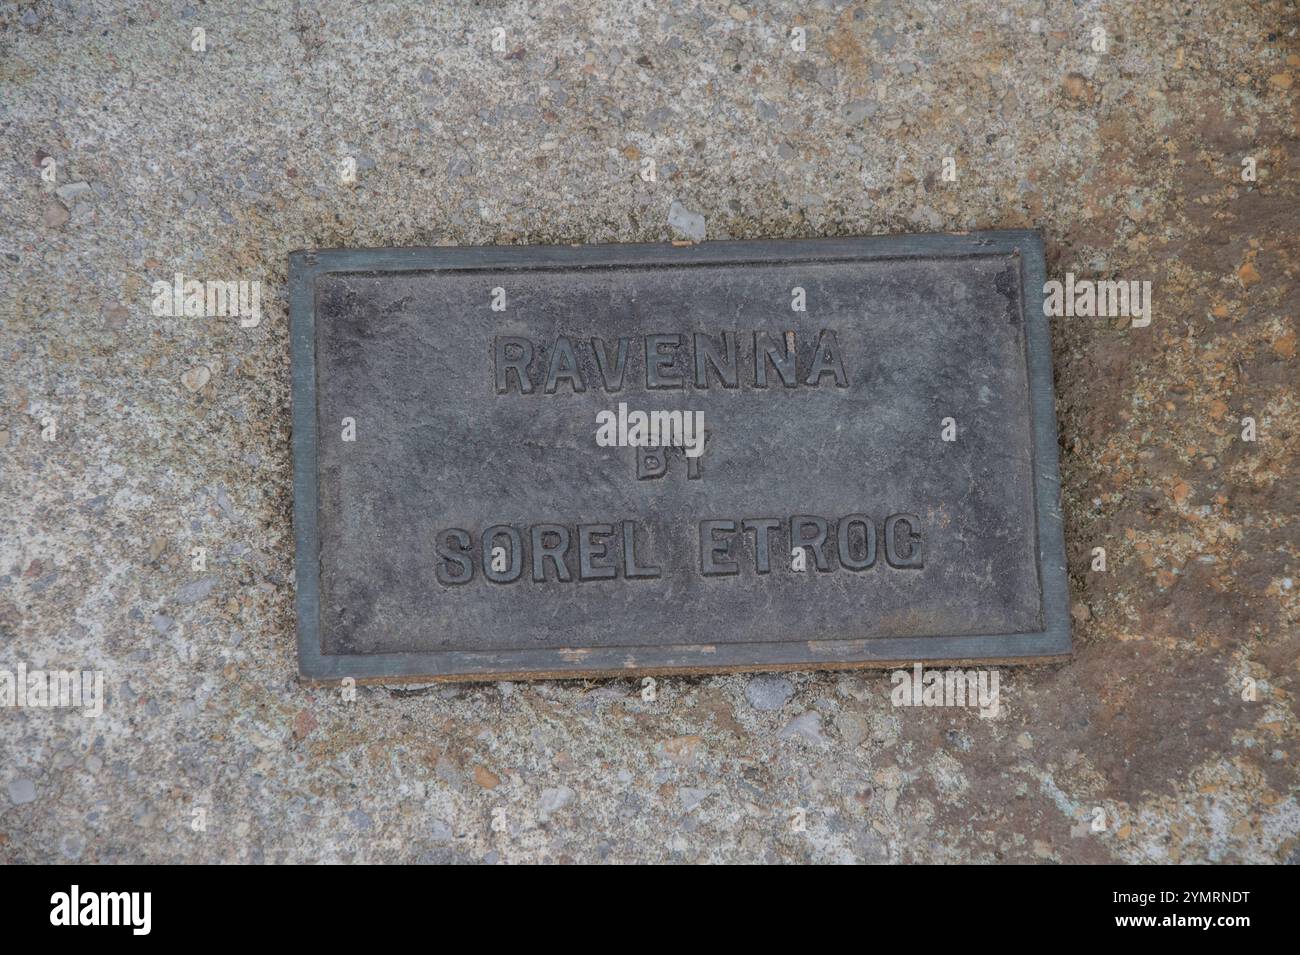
1050	644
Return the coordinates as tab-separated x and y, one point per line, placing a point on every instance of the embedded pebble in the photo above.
688	223
552	801
807	727
768	692
196	377
196	590
22	791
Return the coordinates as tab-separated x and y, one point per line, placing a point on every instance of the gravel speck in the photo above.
72	192
552	801
691	797
859	110
686	222
768	692
807	727
22	791
196	377
196	590
440	831
55	215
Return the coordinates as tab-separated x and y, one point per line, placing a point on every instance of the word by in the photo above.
639	429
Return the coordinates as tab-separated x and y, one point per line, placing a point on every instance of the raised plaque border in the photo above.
1048	645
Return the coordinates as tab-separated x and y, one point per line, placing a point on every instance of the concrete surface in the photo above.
173	433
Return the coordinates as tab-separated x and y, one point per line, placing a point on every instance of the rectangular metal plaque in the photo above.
859	464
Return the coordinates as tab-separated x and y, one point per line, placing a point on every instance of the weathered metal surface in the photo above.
473	421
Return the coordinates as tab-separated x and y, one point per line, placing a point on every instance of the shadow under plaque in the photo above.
874	483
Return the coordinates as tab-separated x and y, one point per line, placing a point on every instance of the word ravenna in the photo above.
667	361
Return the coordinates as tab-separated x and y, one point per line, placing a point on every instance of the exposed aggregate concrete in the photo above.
173	433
